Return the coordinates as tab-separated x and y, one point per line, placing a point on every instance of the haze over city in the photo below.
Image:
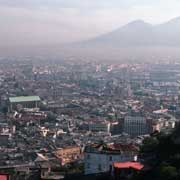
32	22
90	90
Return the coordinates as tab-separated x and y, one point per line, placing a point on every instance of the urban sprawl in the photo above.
78	120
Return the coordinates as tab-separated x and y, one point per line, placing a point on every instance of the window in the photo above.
110	158
88	165
88	156
99	167
110	168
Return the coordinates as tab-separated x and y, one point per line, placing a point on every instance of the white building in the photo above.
100	126
100	157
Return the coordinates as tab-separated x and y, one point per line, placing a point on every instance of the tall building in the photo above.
136	125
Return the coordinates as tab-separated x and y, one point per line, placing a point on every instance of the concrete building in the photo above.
99	126
68	155
24	102
100	158
136	125
126	170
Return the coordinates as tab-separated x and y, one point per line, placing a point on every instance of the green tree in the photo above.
168	173
149	144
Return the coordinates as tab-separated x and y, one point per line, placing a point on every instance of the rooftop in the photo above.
111	148
24	99
127	165
3	177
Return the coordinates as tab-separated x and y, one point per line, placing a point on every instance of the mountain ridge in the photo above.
140	33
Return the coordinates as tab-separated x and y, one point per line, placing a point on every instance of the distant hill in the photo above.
139	33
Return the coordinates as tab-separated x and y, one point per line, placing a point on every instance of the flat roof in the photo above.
24	99
4	177
126	165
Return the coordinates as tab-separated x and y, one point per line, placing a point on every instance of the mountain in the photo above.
139	33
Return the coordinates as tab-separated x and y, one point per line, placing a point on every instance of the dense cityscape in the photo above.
67	119
89	90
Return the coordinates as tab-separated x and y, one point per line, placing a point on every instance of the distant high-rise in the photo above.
136	125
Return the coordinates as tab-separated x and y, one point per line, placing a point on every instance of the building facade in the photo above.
20	102
100	158
99	126
68	155
136	125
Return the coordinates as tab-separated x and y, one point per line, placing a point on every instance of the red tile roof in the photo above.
126	165
3	177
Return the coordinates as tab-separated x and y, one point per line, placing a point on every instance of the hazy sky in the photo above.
57	21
